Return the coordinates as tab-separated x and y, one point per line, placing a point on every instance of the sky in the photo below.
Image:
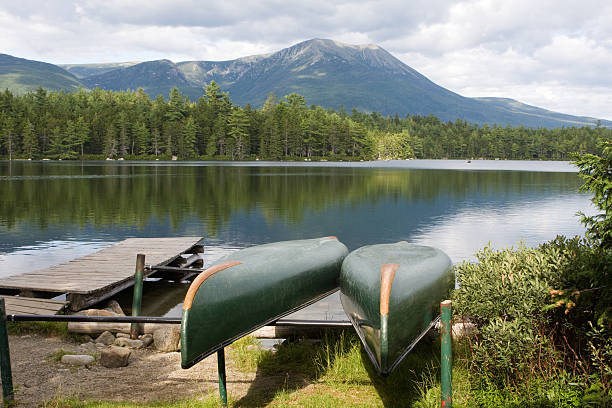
552	54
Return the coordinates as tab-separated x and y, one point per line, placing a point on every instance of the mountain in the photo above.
155	77
326	73
84	70
22	75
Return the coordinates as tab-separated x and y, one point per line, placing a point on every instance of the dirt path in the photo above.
150	376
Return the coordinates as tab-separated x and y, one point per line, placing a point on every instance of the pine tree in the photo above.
57	145
70	141
7	134
81	133
189	139
123	134
238	130
30	144
142	138
110	141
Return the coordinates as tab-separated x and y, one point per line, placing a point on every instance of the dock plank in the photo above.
36	306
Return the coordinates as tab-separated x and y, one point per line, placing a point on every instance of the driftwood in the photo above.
97	328
266	332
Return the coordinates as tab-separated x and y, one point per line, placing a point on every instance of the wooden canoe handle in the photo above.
387	273
195	285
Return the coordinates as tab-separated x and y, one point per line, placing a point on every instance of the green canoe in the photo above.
392	294
252	287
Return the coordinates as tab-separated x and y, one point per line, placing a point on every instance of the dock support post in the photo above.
137	299
446	366
222	379
8	395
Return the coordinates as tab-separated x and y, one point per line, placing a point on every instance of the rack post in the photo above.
8	395
222	379
137	299
446	366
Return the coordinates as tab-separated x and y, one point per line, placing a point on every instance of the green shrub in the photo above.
540	312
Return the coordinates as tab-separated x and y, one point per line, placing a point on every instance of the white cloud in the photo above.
553	53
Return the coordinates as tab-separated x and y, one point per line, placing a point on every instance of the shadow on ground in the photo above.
339	360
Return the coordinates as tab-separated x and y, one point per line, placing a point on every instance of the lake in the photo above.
54	211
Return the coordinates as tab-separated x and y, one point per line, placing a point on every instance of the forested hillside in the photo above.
128	124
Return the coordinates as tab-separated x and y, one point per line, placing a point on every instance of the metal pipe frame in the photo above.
162	320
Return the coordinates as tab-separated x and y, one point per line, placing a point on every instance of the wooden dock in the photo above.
98	276
33	306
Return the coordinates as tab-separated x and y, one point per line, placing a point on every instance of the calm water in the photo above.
51	212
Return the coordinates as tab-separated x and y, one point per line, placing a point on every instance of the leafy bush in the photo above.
529	328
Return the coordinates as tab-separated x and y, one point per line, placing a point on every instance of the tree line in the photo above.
101	124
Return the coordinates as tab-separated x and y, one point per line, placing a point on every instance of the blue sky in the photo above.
553	54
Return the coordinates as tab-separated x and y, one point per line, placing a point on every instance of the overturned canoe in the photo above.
252	287
391	293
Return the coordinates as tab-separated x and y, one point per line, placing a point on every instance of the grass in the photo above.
206	401
56	329
334	372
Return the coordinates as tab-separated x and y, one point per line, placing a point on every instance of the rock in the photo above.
106	338
77	359
115	307
114	357
463	329
134	344
88	348
123	335
167	339
147	340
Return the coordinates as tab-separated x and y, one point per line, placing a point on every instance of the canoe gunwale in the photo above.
226	343
201	278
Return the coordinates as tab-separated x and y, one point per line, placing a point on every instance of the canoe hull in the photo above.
253	287
422	279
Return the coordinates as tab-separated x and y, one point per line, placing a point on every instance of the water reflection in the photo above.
461	234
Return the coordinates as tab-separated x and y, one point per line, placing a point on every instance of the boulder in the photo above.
124	335
463	329
106	338
77	359
133	344
114	357
167	339
115	307
147	339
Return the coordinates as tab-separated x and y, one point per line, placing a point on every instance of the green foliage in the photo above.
509	284
30	143
540	313
596	171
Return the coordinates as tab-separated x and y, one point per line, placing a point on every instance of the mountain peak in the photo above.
331	43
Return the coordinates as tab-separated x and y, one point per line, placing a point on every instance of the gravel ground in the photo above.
150	376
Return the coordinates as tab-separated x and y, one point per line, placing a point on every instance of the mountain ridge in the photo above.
327	73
